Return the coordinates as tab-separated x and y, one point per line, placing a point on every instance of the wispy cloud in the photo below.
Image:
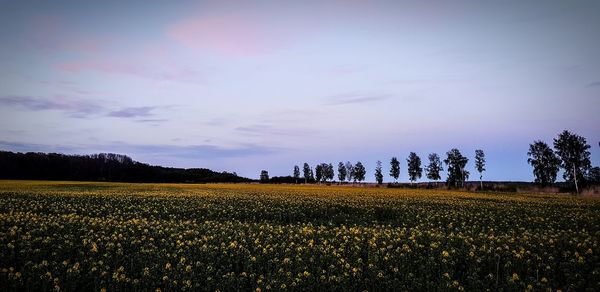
73	107
81	108
216	122
209	152
132	112
201	151
356	98
262	129
33	147
152	120
597	83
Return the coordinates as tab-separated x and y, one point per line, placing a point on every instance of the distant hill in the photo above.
101	167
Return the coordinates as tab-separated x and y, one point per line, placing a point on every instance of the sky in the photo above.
249	85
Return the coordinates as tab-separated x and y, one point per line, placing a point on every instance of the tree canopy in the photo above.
434	167
456	164
574	154
414	167
544	162
359	172
395	168
378	173
341	171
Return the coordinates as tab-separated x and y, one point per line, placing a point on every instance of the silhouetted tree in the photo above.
480	165
327	172
264	176
395	168
319	172
544	162
378	173
307	172
359	172
434	168
296	173
350	171
456	167
573	152
341	172
414	167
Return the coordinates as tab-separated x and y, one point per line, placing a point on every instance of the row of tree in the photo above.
571	154
349	172
101	167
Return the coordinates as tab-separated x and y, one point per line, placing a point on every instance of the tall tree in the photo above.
395	168
319	172
456	163
574	153
434	167
264	176
359	172
328	172
544	162
480	165
296	173
341	172
378	173
350	171
307	172
414	167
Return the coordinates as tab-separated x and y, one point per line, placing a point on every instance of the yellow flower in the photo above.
445	254
515	277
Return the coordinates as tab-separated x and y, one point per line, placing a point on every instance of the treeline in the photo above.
349	172
571	154
101	167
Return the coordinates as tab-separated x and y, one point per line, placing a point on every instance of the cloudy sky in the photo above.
250	85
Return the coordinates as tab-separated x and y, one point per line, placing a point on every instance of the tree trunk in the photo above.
481	182
575	178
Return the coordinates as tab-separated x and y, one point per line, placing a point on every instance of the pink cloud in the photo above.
225	34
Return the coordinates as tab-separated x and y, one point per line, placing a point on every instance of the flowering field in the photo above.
93	236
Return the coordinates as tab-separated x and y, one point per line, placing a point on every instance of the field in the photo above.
91	236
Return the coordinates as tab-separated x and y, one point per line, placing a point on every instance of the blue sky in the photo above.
250	85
